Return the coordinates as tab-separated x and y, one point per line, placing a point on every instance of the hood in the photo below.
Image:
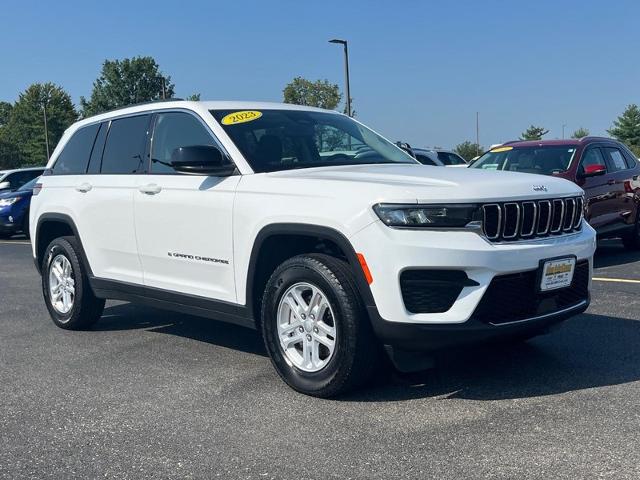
424	183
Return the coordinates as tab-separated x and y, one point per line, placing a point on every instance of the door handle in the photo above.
150	189
84	187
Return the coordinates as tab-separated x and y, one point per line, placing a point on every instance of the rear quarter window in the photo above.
75	155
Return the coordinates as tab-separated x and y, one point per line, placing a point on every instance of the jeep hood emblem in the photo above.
539	188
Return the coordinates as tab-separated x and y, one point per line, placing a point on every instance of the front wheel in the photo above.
315	327
65	286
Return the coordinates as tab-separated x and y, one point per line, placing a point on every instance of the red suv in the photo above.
605	169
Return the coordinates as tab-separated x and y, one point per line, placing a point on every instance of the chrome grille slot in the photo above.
570	211
529	219
557	215
544	217
580	212
511	221
492	220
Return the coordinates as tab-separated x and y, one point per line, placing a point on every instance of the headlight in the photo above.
427	216
5	202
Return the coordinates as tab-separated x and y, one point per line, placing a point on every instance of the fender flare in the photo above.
325	233
67	220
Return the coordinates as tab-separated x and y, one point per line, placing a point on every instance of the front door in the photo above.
598	198
184	222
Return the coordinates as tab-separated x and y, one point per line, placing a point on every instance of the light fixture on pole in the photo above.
346	70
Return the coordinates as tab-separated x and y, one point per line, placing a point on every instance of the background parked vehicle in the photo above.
434	156
604	168
14	210
12	180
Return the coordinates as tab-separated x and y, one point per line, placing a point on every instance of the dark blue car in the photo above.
14	210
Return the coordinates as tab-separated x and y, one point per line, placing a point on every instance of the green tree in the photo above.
534	133
9	154
320	93
127	82
5	112
468	150
194	97
581	132
626	128
23	136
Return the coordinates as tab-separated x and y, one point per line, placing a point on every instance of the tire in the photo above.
356	352
632	241
84	308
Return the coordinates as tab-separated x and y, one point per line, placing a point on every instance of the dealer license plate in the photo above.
557	273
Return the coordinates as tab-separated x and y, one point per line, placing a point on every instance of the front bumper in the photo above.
7	226
434	337
389	252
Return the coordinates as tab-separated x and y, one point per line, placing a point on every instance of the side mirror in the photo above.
5	185
593	171
201	160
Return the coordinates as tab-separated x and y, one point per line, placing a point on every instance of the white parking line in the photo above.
615	280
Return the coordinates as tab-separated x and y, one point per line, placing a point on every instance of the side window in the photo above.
593	156
173	130
629	157
14	180
616	159
423	159
74	157
98	148
18	179
450	158
124	148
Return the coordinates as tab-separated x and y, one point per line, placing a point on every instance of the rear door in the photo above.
104	199
619	179
184	222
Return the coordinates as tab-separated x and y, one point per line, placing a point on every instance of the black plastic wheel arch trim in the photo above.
325	233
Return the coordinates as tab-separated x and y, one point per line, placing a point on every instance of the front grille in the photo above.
511	221
432	291
516	296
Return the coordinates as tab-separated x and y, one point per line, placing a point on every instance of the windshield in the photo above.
29	185
273	140
450	158
542	160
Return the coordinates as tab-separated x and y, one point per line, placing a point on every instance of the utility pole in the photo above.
477	133
346	71
563	125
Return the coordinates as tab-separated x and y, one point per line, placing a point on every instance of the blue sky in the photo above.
419	69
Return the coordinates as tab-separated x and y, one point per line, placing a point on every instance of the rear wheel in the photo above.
315	327
65	286
632	240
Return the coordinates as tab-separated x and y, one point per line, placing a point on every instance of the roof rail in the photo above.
161	100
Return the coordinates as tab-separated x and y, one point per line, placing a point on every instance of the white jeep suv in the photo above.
308	226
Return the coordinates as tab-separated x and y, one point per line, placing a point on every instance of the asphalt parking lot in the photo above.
154	394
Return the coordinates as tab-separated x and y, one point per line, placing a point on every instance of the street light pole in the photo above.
346	71
563	125
477	133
